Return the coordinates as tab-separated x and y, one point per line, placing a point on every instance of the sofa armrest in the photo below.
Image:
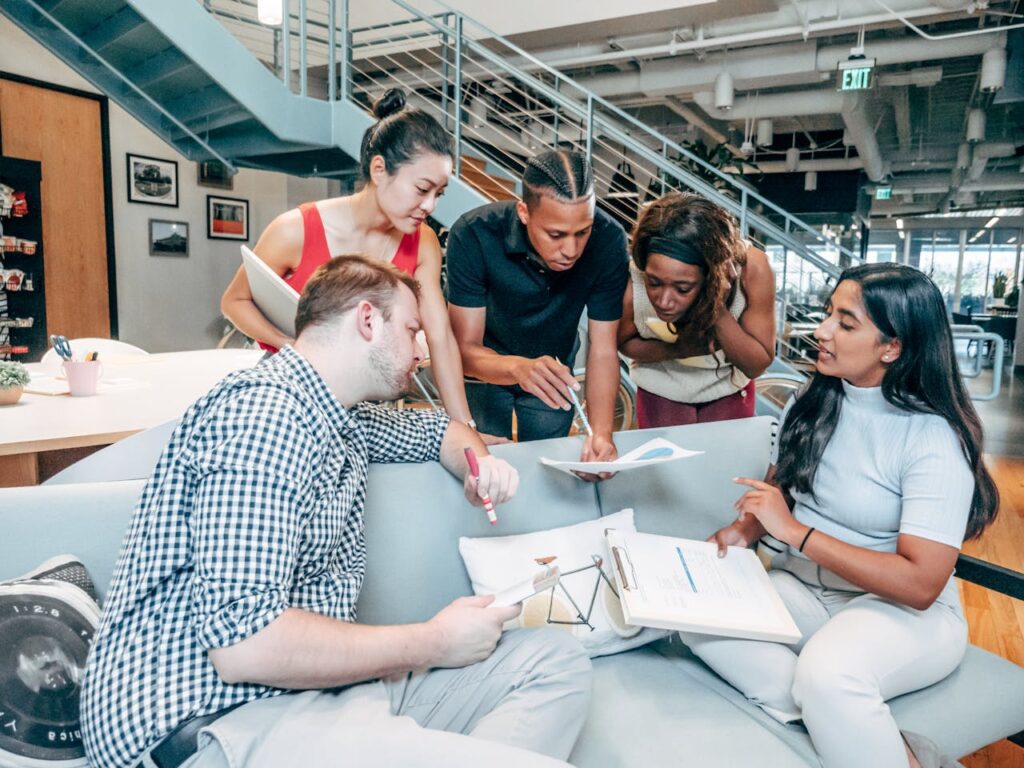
990	576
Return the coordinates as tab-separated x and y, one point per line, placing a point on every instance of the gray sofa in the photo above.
656	705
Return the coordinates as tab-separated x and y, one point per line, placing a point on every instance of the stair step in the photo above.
112	29
492	187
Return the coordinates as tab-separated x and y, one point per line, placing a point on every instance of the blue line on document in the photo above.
689	576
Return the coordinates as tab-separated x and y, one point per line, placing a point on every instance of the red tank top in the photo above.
315	252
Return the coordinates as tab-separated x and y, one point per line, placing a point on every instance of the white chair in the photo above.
80	347
133	458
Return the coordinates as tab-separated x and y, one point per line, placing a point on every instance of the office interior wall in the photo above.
164	303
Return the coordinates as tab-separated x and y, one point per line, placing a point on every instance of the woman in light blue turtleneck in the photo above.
876	481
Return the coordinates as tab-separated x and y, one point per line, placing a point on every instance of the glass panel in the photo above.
939	256
974	287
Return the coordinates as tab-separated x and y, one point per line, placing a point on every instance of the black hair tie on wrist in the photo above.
806	537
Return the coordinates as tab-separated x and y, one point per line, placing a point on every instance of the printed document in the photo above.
682	584
656	451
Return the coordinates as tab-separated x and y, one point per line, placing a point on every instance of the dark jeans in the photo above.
492	406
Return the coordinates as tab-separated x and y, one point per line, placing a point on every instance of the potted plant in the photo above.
13	378
998	285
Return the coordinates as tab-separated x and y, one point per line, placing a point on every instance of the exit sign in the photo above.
855	75
883	193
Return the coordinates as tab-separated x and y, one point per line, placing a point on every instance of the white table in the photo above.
161	387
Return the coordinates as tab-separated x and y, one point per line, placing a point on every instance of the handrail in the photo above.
124	79
593	98
581	118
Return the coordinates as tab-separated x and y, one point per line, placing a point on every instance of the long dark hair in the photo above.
401	134
905	305
712	231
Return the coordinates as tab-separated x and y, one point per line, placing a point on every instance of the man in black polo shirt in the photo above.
519	277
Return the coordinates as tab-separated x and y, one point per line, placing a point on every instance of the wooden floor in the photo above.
997	622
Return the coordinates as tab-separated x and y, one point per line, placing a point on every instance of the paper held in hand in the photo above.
682	584
543	579
277	300
656	451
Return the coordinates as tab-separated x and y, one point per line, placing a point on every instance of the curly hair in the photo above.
705	227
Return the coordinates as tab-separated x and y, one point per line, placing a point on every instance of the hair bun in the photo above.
392	101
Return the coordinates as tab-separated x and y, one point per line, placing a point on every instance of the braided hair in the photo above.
561	174
400	134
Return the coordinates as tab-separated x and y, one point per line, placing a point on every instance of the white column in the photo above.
959	270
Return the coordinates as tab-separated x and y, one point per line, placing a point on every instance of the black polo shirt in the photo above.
531	310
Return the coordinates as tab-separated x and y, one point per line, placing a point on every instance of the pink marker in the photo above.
474	470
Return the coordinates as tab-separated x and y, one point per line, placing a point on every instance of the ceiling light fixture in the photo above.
810	181
724	90
899	223
991	222
765	134
792	159
270	12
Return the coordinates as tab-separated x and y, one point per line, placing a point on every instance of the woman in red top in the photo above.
406	159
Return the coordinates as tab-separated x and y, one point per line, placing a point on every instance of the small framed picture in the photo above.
213	173
152	181
168	238
227	218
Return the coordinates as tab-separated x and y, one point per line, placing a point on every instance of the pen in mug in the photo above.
474	470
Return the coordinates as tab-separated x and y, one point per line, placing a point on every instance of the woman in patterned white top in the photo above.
698	316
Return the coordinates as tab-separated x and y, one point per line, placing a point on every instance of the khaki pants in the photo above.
523	706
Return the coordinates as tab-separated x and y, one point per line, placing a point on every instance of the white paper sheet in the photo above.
682	584
544	579
656	451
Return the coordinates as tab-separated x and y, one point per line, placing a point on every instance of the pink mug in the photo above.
82	376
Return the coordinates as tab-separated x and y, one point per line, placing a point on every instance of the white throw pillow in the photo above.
583	603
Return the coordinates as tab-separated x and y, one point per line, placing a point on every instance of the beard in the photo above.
392	379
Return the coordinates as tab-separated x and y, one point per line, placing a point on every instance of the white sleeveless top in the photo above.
699	379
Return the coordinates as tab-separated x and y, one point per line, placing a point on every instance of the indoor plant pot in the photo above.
13	378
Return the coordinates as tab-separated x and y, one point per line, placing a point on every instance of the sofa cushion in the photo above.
496	562
648	710
89	519
416	513
690	498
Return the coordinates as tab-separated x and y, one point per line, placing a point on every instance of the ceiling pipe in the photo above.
985	152
783	24
782	64
930	184
854	114
793	104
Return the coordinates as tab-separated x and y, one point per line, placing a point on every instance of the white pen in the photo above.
579	410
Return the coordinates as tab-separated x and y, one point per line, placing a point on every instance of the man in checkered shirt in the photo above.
229	635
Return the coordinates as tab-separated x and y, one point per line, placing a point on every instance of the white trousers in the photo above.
857	651
523	706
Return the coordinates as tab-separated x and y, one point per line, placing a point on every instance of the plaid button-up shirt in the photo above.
255	506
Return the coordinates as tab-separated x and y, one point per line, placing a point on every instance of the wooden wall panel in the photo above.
64	133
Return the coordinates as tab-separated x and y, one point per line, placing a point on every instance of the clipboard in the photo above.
682	584
277	300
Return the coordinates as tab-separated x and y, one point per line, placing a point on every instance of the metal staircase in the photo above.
216	84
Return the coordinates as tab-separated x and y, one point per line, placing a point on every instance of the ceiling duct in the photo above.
975	126
993	70
723	91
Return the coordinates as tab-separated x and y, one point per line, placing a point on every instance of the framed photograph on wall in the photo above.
227	218
213	173
152	181
168	238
